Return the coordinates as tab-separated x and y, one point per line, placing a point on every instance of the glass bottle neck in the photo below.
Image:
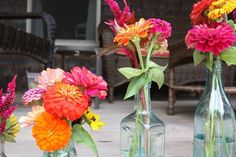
214	80
143	100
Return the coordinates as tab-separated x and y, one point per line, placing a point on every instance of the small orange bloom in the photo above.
65	101
131	32
51	133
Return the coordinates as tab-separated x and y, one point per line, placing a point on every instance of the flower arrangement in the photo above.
213	37
139	41
213	34
9	126
61	106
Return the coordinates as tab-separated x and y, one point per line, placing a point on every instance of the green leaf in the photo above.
80	135
197	57
135	85
231	23
209	62
152	64
9	138
156	75
229	56
130	72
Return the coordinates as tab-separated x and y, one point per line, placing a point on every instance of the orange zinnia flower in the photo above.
51	133
132	32
197	15
65	101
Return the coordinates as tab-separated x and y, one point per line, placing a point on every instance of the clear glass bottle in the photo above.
142	133
214	119
68	151
2	148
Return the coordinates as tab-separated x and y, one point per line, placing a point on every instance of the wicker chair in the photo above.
17	42
182	74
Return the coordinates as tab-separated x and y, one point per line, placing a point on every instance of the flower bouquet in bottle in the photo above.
61	108
142	133
213	38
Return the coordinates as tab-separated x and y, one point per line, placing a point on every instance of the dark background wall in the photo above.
174	11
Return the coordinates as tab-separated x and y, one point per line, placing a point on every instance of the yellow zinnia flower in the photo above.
93	119
133	32
220	7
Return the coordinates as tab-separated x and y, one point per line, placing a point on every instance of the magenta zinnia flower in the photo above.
162	27
32	95
92	84
6	101
213	39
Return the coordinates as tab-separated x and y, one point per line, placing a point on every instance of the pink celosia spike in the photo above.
10	96
114	8
1	101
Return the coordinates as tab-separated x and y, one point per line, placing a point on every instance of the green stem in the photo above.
223	135
154	38
137	45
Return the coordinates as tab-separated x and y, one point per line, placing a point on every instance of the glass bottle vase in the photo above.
2	148
142	133
214	119
68	151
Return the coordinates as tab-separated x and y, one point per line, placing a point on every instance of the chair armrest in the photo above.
48	19
179	54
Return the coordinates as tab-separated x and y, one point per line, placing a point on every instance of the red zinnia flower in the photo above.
65	101
197	14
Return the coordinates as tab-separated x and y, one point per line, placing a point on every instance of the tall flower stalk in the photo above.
140	41
213	38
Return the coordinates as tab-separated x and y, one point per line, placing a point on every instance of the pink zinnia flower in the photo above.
28	120
93	85
162	27
49	77
32	95
214	38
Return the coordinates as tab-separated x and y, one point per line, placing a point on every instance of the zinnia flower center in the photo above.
69	91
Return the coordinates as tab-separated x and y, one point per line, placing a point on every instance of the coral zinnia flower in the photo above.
32	95
51	133
92	84
197	15
162	27
28	120
133	32
220	7
65	101
215	38
49	77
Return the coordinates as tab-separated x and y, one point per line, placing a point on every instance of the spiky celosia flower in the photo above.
6	101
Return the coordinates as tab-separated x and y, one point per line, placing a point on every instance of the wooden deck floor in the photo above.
178	131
